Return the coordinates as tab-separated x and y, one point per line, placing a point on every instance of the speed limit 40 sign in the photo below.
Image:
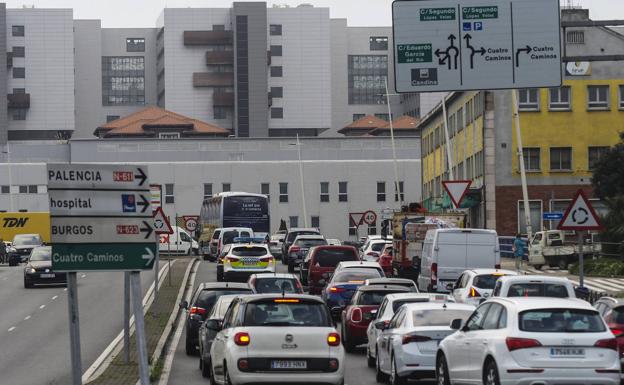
369	217
190	222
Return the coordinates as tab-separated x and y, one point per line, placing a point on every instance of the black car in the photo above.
201	305
39	268
290	237
22	246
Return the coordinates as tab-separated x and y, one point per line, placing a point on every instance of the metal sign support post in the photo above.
394	157
525	191
581	259
139	325
156	271
74	328
126	315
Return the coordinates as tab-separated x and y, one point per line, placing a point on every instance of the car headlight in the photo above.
12	250
30	270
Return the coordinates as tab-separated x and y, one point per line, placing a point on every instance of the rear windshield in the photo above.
219	312
356	275
41	254
276	285
537	290
249	251
276	313
372	297
228	237
486	281
215	235
208	297
311	242
292	236
378	246
438	317
561	321
408	285
26	239
397	304
332	257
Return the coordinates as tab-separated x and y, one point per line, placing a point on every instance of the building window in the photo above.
110	118
277	92
168	135
219	112
5	189
226	187
276	50
23	189
277	113
123	80
17	30
561	159
342	192
324	191
531	159
218	27
315	221
378	43
169	197
575	37
265	188
535	212
559	98
32	189
396	197
352	227
283	192
528	99
597	97
19	113
381	191
594	154
358	116
367	79
19	52
135	44
19	90
19	72
621	97
293	221
275	30
385	117
372	228
276	71
207	190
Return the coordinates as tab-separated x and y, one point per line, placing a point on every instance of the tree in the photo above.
608	178
283	226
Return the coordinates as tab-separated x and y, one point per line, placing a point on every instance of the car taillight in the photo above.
333	339
242	339
609	343
198	310
474	293
266	259
231	259
336	289
298	285
521	343
356	314
434	274
409	338
294	249
616	331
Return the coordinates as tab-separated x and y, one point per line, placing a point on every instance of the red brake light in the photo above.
497	266
294	249
266	259
336	289
616	332
333	339
521	343
356	314
609	343
242	339
414	338
474	293
434	274
198	310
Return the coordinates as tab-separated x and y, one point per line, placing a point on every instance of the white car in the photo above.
390	304
372	249
527	341
244	259
273	339
359	265
534	286
275	244
476	284
334	242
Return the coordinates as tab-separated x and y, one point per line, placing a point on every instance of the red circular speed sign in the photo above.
370	217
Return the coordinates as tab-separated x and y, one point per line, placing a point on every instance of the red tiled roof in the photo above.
367	122
404	122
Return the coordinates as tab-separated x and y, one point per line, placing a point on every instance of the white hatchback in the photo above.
275	339
526	341
477	284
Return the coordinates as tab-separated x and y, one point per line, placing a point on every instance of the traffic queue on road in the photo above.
467	321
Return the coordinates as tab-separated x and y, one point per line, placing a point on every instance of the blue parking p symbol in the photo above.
478	26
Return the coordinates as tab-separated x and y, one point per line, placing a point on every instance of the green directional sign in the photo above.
472	13
103	256
437	14
414	53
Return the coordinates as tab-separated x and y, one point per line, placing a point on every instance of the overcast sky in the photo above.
143	13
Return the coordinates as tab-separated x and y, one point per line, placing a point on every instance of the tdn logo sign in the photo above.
14	222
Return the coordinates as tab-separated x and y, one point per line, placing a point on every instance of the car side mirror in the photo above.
336	311
381	325
450	286
456	324
184	305
214	324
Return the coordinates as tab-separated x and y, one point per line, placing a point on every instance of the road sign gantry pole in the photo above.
525	190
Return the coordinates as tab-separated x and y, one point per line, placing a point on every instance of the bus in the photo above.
234	209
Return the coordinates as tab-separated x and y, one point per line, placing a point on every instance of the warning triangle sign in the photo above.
580	215
456	189
161	223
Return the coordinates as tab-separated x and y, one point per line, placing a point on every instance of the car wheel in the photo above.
379	375
490	374
291	267
191	350
211	380
395	379
226	376
442	374
27	284
370	361
204	366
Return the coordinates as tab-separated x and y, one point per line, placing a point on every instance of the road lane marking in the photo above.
26	318
55	297
11	329
41	307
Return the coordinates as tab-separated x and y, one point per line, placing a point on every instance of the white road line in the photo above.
26	318
617	281
55	297
42	306
11	329
611	286
533	271
591	287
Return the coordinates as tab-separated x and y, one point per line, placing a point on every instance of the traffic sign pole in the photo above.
74	328
581	259
139	326
126	312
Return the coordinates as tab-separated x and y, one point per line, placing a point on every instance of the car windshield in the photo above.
216	234
560	321
26	240
287	312
372	297
486	281
293	236
378	246
41	254
311	242
438	317
249	251
208	297
350	275
537	290
228	237
332	257
276	285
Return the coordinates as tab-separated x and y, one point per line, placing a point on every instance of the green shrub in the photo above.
601	267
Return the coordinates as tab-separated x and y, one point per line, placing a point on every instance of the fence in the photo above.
506	247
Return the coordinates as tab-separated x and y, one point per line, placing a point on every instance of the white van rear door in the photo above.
481	250
451	257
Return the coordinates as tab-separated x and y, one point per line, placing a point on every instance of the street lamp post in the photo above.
8	153
303	200
394	157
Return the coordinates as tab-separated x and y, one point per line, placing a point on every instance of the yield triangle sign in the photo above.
456	189
580	215
161	223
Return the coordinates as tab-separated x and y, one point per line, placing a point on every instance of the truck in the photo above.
548	248
408	234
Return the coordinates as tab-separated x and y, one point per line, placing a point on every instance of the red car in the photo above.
361	311
385	260
321	262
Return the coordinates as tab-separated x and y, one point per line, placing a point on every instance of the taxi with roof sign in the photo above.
247	256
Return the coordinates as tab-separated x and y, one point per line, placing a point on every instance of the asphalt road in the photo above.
34	332
185	369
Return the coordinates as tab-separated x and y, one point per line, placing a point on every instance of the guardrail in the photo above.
506	247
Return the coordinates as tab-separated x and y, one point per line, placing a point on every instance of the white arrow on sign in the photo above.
149	257
97	202
97	176
456	189
580	215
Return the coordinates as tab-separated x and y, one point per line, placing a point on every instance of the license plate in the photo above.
206	249
567	352
250	262
282	364
48	275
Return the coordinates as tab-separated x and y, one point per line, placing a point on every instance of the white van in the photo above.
449	252
227	235
180	242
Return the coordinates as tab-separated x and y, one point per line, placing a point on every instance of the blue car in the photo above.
343	284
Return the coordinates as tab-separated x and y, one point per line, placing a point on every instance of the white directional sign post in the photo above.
456	190
442	45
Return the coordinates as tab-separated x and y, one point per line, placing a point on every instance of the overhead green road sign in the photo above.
103	256
414	53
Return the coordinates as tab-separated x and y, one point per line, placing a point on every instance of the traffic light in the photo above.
384	228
